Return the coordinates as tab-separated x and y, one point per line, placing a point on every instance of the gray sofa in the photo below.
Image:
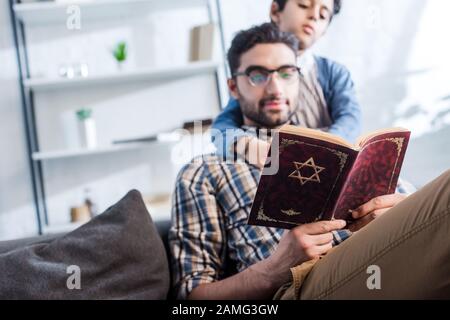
162	226
121	254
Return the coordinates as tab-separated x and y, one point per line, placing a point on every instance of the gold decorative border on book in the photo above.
399	142
261	215
343	157
286	143
291	212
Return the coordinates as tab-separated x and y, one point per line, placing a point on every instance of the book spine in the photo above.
265	181
343	191
352	158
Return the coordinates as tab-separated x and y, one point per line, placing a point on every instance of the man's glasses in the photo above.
260	76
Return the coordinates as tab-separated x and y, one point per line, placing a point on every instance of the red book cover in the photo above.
319	176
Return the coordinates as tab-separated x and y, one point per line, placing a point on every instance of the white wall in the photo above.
17	217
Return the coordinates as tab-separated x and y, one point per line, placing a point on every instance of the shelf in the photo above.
157	212
157	74
61	154
91	10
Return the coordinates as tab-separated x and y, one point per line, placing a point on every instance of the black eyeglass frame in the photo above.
248	71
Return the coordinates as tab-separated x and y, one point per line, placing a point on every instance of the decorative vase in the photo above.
88	133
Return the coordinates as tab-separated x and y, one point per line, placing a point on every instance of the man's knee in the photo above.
441	186
446	176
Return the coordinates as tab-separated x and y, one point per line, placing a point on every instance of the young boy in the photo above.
327	96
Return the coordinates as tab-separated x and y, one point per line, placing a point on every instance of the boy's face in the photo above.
272	104
307	19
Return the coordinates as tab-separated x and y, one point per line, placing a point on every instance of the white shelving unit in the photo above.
163	140
49	13
56	12
54	155
157	74
158	213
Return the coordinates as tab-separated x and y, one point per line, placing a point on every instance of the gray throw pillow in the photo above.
117	255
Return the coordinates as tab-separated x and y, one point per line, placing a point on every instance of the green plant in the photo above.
120	52
84	114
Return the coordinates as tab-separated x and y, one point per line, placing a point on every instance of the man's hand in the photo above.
374	209
299	245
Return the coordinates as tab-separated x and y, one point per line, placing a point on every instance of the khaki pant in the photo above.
408	248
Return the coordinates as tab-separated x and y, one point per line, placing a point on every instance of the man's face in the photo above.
307	19
272	104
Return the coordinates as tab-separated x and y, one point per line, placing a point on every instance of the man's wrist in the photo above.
271	275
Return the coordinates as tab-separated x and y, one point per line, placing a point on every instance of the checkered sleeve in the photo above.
340	236
405	187
196	240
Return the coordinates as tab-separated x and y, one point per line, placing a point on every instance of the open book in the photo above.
323	177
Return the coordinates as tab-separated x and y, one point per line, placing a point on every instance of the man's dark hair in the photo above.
337	5
266	33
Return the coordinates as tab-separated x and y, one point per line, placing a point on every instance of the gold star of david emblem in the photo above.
297	174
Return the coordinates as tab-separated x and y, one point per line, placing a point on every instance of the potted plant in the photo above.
120	53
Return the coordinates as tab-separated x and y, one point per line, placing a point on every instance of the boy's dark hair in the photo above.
262	34
337	5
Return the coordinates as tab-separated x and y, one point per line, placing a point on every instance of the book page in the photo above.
362	140
316	134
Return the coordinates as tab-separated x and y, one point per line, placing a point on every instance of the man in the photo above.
328	101
217	255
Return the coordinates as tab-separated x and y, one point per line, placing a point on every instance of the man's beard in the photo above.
263	119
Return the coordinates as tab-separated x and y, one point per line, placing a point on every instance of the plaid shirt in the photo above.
210	238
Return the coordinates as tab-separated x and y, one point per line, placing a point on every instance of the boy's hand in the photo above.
374	209
254	149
